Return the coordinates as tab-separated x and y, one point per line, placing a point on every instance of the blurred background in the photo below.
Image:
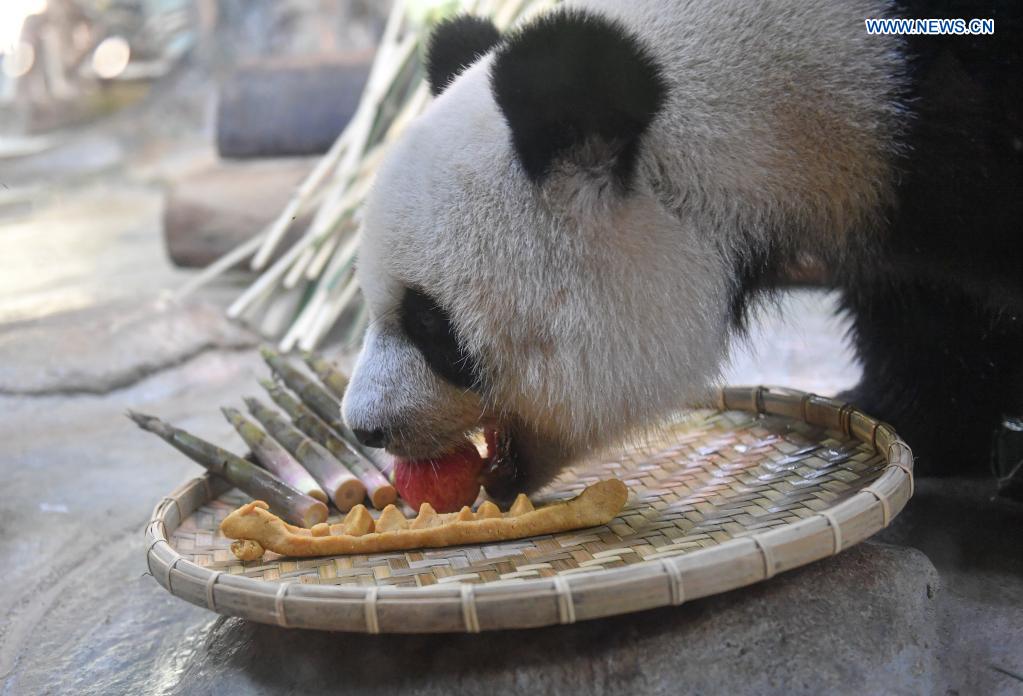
213	124
191	119
67	62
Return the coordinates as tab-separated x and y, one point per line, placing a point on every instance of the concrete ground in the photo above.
933	605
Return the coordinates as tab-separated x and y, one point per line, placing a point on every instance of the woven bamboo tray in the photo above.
772	480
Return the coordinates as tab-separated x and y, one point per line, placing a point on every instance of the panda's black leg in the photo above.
939	367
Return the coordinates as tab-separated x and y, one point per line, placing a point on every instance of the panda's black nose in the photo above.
371	438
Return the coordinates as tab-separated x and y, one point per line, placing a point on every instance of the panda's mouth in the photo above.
503	474
517	458
432	438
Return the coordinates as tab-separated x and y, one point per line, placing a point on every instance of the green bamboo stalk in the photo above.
340	484
312	394
273	457
332	378
380	491
322	404
291	504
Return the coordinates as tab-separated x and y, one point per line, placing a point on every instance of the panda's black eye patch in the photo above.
429	329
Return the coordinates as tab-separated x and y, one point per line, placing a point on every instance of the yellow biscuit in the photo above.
254	527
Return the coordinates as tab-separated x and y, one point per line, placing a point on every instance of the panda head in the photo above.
519	270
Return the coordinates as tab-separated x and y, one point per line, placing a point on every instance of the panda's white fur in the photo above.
783	116
598	313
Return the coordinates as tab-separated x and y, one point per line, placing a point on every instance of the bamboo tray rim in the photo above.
578	595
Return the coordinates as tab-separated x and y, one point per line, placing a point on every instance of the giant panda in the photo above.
563	245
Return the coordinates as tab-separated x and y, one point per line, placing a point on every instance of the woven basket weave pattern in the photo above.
773	480
719	476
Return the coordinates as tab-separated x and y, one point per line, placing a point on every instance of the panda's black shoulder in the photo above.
958	209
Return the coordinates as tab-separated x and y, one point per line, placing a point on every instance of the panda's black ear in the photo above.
454	45
577	83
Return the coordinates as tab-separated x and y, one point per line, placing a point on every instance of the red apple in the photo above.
447	483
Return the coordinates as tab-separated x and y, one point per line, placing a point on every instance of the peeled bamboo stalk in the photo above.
273	457
297	271
221	265
274	275
328	314
380	491
269	279
340	484
338	268
305	191
257	482
332	378
280	310
304	319
323	255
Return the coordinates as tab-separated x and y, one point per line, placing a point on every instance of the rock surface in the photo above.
976	540
110	346
806	632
